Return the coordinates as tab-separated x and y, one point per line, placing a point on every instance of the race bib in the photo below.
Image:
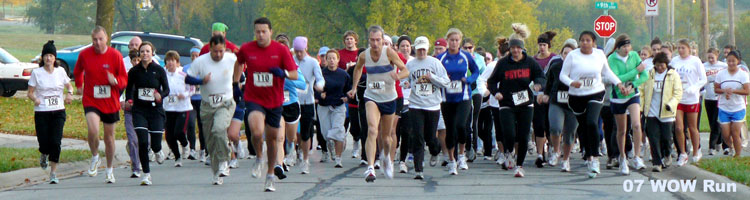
146	94
262	79
423	89
587	82
52	101
520	97
658	86
376	86
455	87
286	96
215	100
102	91
562	96
171	100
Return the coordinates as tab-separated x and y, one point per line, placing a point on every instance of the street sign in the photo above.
606	5
605	26
652	7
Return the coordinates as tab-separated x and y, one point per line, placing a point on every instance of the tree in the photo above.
105	14
46	14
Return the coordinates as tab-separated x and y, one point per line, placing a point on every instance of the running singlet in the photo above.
380	85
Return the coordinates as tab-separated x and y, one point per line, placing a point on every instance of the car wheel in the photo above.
8	93
65	66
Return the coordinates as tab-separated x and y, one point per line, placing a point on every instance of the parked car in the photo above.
14	74
67	57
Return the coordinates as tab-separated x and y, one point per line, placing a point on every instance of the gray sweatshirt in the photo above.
426	94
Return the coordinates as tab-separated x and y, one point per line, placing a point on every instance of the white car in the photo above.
14	74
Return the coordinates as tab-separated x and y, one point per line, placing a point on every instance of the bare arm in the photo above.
403	71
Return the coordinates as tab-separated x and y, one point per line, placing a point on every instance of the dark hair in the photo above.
568	45
401	39
502	45
217	40
736	54
263	20
656	40
730	47
133	54
621	40
480	50
172	55
147	43
546	37
467	40
589	33
351	33
661	57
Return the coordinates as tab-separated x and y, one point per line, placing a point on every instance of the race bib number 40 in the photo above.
146	94
423	89
562	96
455	87
102	91
262	79
520	97
376	86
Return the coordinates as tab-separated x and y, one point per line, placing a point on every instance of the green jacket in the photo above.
627	72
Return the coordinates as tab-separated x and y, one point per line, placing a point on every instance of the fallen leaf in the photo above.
27	180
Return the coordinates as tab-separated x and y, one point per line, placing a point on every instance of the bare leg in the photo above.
695	137
92	121
635	124
373	119
679	131
109	143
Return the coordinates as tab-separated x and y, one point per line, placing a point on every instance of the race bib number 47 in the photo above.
455	87
262	79
102	91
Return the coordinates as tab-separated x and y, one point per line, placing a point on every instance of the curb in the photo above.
692	172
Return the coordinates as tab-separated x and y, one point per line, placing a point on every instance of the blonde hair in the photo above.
452	31
520	31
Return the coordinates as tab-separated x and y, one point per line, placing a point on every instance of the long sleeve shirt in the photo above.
338	83
311	71
626	69
457	66
143	83
91	71
426	94
553	85
292	87
693	77
512	78
591	70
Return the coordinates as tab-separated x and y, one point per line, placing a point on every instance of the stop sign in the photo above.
605	26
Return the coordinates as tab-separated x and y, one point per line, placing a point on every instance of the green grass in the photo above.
737	169
704	119
19	158
18	118
25	41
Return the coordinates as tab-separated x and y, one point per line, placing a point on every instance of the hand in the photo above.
537	87
68	98
499	96
127	105
323	95
406	84
463	79
641	67
394	75
180	97
79	91
157	97
278	72
575	84
352	92
728	93
112	79
207	78
344	99
541	99
350	64
621	88
37	102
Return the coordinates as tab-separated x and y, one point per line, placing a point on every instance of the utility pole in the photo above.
704	29
731	23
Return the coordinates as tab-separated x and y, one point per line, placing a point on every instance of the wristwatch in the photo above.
286	73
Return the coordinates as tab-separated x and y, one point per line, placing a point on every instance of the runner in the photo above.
402	126
100	75
132	146
217	105
503	47
540	122
195	101
146	82
628	67
584	70
693	77
379	96
457	105
441	45
733	85
177	108
427	76
511	78
46	87
356	119
331	105
268	63
312	75
220	29
661	94
713	66
291	106
472	122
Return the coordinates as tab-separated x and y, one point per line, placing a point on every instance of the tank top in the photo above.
380	86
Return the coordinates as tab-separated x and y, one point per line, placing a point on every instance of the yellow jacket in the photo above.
671	94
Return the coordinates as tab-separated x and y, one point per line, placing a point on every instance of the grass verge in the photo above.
20	158
737	169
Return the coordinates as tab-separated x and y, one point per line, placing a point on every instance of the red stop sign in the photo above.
605	26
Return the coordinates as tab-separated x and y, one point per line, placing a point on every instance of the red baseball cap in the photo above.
441	42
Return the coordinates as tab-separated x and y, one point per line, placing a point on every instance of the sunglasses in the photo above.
469	47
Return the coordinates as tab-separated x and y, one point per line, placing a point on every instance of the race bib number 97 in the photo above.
423	89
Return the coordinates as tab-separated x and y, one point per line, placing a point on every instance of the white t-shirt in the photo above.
177	86
693	76
734	81
48	88
591	70
711	71
482	84
649	62
221	75
656	101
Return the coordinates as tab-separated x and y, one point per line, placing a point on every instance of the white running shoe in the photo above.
233	163
110	175
338	163
402	167
553	159
53	179
269	183
94	168
377	165
363	162
178	162
192	155
208	160
595	165
500	158
223	169
136	174
331	149
202	156
146	181
434	160
185	152
324	157
355	150
218	180
255	170
305	165
639	165
682	160
388	166
370	174
565	166
697	156
624	169
452	168
160	157
462	162
519	172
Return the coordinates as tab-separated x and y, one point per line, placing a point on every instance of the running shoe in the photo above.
355	150
639	164
338	163
151	156
697	156
331	149
595	165
471	155
610	163
202	156
279	172
192	155
362	163
305	165
500	160
53	179
553	159
519	172
269	183
565	166
185	152
682	160
233	163
218	180
178	162
388	167
324	157
462	162
624	169
223	169
94	168
160	157
434	160
377	164
255	170
452	168
712	152
146	180
208	160
409	159
656	168
419	176
726	151
539	161
135	174
43	161
402	167
370	175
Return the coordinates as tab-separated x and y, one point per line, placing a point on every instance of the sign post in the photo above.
652	10
605	25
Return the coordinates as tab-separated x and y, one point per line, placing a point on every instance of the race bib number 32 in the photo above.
262	79
102	91
455	87
146	94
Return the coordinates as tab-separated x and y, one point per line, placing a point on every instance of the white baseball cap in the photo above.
422	43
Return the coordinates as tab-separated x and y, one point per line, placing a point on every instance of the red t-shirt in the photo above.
91	70
346	57
207	47
259	88
398	83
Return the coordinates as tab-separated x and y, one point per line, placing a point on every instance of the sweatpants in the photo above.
215	124
424	125
516	124
49	130
175	130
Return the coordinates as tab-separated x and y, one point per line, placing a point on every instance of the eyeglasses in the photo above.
469	47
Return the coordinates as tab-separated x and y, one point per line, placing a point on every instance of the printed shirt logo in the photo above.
105	66
460	61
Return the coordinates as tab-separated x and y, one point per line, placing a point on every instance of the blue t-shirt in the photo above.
291	86
457	65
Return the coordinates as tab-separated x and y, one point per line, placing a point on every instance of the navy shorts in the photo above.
385	108
273	115
622	108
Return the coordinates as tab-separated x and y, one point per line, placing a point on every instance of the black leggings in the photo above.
516	124
201	138
148	122
660	137
587	110
175	128
541	121
472	126
354	124
485	129
191	129
363	128
498	126
403	130
49	130
424	124
454	116
712	112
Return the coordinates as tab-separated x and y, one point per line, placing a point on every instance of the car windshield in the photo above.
5	57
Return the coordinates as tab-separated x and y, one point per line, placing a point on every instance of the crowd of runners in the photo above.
395	97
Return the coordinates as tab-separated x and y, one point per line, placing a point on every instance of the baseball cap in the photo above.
323	50
422	43
441	42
